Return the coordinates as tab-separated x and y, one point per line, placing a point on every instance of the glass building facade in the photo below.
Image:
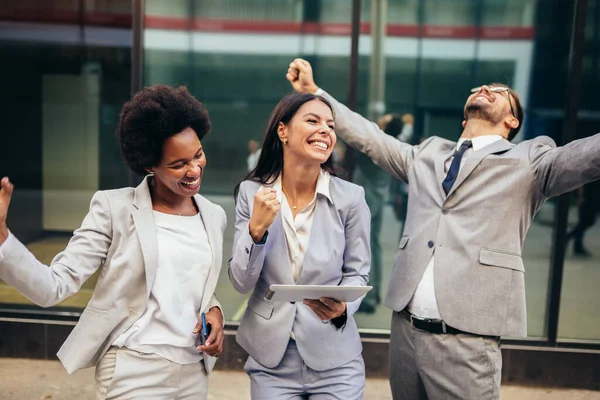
68	70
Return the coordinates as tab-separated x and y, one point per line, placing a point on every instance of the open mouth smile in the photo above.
192	183
319	144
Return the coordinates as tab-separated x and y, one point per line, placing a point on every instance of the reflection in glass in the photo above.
580	298
62	108
68	81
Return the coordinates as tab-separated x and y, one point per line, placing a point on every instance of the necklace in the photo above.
286	196
168	208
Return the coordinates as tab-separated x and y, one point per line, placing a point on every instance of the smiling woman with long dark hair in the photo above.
296	222
159	249
270	165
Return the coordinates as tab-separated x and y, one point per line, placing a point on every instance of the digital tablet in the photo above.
314	292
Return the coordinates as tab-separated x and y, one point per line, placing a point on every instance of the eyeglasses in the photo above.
498	89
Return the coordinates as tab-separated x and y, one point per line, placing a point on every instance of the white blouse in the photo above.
184	260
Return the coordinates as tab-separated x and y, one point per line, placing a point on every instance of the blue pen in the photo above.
204	330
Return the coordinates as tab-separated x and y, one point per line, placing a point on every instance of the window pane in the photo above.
580	299
462	44
451	13
403	11
508	13
67	84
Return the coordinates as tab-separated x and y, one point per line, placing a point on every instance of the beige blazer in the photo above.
477	231
118	235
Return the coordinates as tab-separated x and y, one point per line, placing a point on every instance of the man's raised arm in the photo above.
386	151
562	169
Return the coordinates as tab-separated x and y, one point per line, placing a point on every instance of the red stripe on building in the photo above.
336	29
123	20
54	16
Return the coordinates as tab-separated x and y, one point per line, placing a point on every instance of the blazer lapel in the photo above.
212	226
143	219
476	157
440	170
277	244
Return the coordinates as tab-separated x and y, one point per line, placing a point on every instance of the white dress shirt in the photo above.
184	260
423	303
297	230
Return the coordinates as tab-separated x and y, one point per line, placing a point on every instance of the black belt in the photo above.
429	325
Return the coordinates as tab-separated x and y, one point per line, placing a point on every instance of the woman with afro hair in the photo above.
159	247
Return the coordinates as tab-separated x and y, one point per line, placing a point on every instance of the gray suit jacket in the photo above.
338	254
477	231
118	234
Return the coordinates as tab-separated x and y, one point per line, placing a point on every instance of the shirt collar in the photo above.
322	185
480	142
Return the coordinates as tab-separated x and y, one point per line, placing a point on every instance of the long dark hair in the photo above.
270	161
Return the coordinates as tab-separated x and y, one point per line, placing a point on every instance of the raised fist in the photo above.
300	75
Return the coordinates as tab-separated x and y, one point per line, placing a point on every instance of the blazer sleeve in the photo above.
559	170
357	254
213	302
86	251
389	153
246	262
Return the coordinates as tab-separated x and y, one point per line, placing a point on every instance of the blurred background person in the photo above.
376	183
254	154
588	204
399	189
408	122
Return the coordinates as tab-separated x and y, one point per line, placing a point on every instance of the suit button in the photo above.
247	251
430	244
444	211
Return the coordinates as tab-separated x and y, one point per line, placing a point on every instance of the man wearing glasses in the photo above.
458	281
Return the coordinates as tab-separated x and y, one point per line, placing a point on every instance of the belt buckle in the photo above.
428	320
412	318
415	318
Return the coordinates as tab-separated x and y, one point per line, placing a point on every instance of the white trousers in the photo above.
125	374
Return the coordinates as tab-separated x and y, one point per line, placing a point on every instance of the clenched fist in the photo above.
300	75
266	207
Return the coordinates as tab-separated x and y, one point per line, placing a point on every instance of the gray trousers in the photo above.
292	379
126	374
442	366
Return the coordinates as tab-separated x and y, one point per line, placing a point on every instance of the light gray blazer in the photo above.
478	229
118	234
338	254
